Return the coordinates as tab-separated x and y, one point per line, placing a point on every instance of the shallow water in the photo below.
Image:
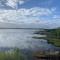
22	38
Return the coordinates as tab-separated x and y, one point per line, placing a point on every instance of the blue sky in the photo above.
39	12
40	3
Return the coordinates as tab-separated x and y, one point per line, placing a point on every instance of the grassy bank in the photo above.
54	41
52	36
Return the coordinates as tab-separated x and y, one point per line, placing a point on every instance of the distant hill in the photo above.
8	25
24	25
12	25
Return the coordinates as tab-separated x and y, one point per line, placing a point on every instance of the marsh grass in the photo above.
14	55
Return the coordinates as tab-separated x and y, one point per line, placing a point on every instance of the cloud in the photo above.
14	3
23	15
21	2
36	11
30	16
11	3
56	17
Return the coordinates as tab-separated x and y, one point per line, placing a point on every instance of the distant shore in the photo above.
52	36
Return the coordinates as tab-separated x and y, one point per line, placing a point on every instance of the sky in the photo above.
45	13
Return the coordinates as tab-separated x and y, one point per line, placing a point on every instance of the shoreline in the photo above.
51	36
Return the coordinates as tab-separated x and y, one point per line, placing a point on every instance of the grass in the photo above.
54	41
52	36
15	55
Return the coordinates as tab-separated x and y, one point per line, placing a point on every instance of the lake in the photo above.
22	38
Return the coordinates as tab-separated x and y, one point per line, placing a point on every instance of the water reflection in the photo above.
22	38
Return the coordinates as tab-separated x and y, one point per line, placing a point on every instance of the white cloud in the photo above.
12	3
21	2
31	15
35	11
56	17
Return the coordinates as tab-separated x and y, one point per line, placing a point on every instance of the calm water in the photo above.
22	38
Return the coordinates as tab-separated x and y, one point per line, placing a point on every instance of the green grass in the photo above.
15	55
53	36
54	41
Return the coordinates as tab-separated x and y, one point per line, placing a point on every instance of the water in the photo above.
22	38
